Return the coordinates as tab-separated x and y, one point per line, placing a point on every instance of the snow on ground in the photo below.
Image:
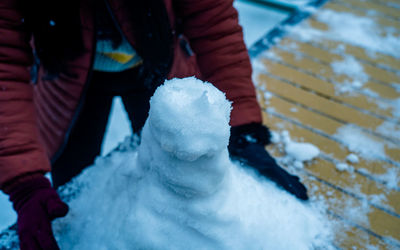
357	211
365	33
353	70
391	178
179	189
369	148
359	31
389	129
393	105
360	142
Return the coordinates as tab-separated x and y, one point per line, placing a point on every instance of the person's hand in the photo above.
37	204
247	145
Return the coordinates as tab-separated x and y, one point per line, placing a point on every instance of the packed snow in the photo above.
178	189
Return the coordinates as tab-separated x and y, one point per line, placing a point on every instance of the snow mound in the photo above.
178	189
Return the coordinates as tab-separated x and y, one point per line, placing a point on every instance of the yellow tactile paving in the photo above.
326	71
348	236
355	238
317	25
328	45
329	57
328	89
319	122
337	203
381	74
378	221
384	22
321	54
328	146
326	170
304	99
369	5
319	103
394	25
383	90
388	2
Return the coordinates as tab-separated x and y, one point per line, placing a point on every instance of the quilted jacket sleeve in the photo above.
21	153
217	40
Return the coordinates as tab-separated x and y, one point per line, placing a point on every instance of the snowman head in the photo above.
190	118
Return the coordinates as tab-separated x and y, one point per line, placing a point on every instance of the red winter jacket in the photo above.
35	119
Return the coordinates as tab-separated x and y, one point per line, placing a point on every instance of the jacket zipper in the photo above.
115	21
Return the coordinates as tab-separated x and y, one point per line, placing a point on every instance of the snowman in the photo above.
178	189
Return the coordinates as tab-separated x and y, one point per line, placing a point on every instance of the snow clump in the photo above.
353	158
343	167
299	151
178	189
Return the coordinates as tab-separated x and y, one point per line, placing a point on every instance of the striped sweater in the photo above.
113	51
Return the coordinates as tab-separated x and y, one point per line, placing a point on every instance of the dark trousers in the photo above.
84	142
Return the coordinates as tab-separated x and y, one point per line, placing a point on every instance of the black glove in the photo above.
247	144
